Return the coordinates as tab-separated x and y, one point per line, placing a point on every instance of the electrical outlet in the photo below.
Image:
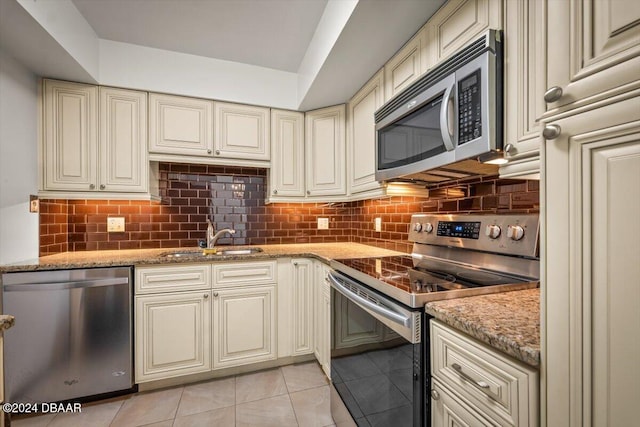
378	224
115	224
378	266
323	223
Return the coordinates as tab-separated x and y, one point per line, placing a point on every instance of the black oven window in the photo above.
412	138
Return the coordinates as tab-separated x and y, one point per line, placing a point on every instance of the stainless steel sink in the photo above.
218	253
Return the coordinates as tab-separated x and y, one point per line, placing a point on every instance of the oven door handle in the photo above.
380	310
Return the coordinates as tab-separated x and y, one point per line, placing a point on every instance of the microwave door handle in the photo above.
445	122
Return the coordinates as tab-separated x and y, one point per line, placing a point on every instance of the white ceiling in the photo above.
268	33
292	54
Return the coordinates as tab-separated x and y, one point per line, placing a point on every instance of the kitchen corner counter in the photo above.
509	321
90	259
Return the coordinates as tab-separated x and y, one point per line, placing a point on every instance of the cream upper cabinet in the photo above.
406	65
459	22
361	135
180	125
325	152
94	140
593	49
124	165
70	137
172	335
303	304
286	176
241	132
524	85
591	297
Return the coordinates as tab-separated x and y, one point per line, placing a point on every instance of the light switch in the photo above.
115	224
323	223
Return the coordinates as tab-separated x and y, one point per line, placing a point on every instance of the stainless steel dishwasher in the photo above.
72	336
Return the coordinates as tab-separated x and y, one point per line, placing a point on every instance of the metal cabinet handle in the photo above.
309	192
217	151
206	296
479	384
6	321
208	151
215	294
553	94
295	263
551	131
435	395
102	186
275	191
92	186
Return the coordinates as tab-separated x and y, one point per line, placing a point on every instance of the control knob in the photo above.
427	227
515	232
492	231
417	227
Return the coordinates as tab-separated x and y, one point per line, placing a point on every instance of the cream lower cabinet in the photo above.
244	326
244	313
591	297
474	384
303	305
322	318
173	335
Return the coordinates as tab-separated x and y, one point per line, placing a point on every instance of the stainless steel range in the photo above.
379	356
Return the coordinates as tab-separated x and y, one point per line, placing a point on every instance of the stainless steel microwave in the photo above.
452	113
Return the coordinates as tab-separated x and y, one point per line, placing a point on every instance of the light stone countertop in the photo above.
509	321
90	259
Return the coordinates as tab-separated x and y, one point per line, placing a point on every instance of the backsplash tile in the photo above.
233	197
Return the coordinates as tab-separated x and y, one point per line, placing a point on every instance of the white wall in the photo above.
19	229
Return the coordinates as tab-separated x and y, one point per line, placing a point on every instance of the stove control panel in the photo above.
504	234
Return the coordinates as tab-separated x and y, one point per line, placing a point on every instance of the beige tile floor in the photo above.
294	395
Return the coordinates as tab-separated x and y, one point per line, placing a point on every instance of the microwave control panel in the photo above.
469	110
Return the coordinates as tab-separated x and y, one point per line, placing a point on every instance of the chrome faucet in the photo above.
213	238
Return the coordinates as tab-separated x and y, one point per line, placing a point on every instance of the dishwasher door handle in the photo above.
73	284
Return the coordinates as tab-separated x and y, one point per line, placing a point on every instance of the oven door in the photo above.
376	357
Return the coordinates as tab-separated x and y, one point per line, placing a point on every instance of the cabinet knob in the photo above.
295	263
308	192
215	294
275	191
218	152
208	151
551	131
206	296
553	94
102	186
92	186
435	395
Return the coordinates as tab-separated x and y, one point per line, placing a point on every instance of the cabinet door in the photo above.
361	140
286	175
173	335
524	76
180	125
406	66
70	136
591	297
325	152
242	132
303	303
447	410
322	318
123	140
459	22
599	44
244	326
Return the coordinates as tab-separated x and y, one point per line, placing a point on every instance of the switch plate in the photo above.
323	223
115	224
378	224
378	266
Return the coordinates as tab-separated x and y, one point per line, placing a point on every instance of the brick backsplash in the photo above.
233	197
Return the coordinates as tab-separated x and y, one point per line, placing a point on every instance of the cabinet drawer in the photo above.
504	389
244	273
172	278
